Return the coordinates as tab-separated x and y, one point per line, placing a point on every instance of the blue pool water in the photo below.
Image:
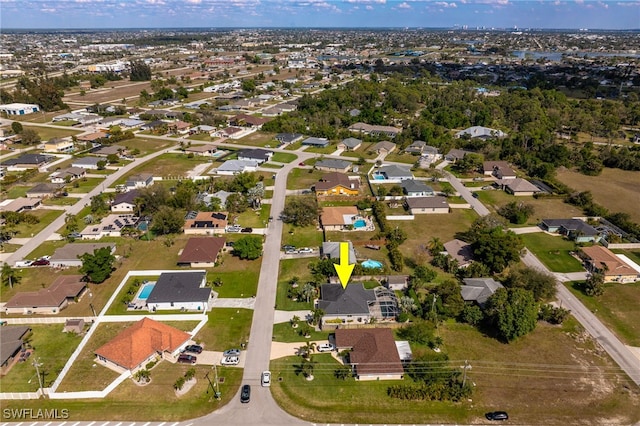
378	177
360	223
142	226
370	264
146	291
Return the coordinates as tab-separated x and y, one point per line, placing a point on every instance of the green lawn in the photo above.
253	218
239	277
308	236
52	349
227	328
303	178
167	166
24	230
290	268
47	133
84	185
319	150
283	157
553	251
18	191
402	158
617	308
283	332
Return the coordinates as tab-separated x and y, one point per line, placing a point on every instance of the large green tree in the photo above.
497	248
513	312
249	247
541	284
167	221
139	71
301	211
97	266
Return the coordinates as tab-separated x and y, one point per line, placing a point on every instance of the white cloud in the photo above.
366	1
194	1
628	3
404	5
445	4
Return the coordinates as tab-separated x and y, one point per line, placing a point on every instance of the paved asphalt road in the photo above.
614	347
466	194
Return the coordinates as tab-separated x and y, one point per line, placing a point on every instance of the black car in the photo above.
187	359
497	415
196	349
247	230
245	395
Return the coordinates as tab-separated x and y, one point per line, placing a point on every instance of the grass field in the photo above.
259	139
617	308
84	185
283	332
553	251
239	277
167	166
47	133
536	379
52	349
145	145
283	157
253	218
308	236
290	268
303	178
613	189
544	208
227	328
25	230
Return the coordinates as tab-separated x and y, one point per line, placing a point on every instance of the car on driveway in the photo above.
265	378
247	230
41	262
288	247
497	415
231	352
325	347
234	228
187	359
305	250
196	349
230	360
301	164
245	395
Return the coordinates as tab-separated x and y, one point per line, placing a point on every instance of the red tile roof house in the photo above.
201	252
144	341
374	354
64	290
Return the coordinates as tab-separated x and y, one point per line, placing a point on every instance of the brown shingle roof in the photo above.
204	250
331	180
65	286
207	220
373	350
137	343
335	215
603	258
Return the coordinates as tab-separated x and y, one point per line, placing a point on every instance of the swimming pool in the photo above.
360	223
371	264
146	291
379	177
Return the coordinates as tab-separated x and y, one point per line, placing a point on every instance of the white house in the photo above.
180	291
19	109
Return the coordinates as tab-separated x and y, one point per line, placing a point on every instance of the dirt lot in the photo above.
106	93
617	190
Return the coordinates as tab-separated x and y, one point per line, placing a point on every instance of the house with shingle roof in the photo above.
416	147
206	223
460	251
258	155
481	132
518	187
384	147
350	144
90	163
338	218
427	205
140	343
331	165
11	342
478	290
337	184
27	161
67	175
185	291
21	204
69	255
575	229
373	354
331	250
125	202
51	300
141	180
392	173
317	142
614	268
201	252
499	169
456	154
285	138
44	190
417	188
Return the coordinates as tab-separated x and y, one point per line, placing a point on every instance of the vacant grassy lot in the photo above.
52	348
320	150
84	185
107	94
303	178
156	401
227	328
553	251
308	236
283	332
536	379
239	277
617	308
17	191
613	188
253	218
283	157
47	133
544	208
290	268
260	139
25	230
145	145
395	156
167	166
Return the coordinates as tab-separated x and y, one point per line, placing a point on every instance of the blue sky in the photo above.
606	14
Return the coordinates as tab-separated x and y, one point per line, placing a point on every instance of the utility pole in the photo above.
217	392
37	365
464	372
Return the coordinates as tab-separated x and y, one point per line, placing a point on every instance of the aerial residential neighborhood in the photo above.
177	209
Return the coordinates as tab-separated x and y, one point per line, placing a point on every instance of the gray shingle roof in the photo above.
179	287
479	289
352	300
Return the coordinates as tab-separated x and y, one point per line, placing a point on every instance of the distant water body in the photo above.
556	56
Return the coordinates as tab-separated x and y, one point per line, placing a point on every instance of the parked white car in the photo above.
305	250
23	263
265	378
230	360
325	347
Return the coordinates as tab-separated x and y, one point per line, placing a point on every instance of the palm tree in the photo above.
308	291
435	245
294	321
308	349
9	275
307	368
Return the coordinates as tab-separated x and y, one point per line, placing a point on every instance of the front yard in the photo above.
553	251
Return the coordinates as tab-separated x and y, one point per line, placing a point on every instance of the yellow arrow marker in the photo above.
344	270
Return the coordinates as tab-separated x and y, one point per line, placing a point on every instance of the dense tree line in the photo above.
139	71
